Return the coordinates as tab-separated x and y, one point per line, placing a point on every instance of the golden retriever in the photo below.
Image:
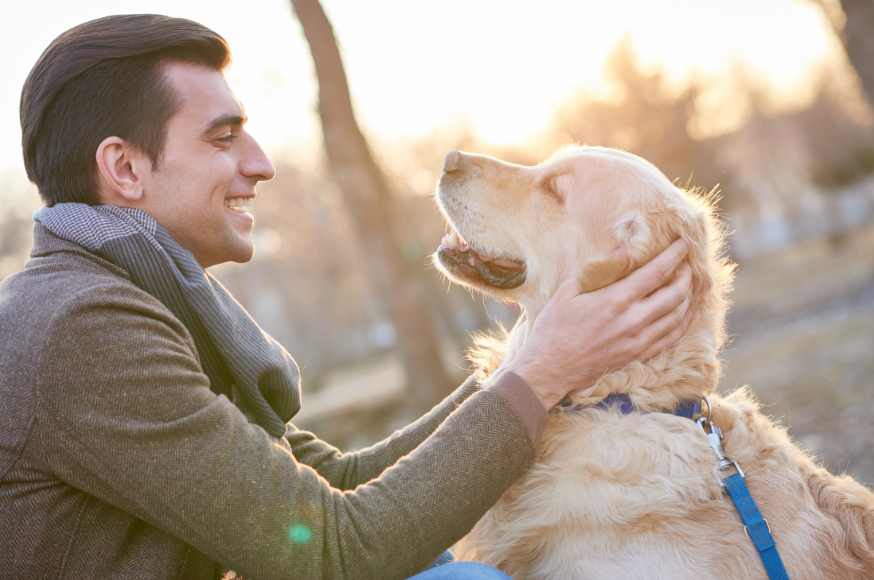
633	496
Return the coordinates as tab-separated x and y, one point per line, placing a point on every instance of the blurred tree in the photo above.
321	321
375	214
648	117
19	199
841	151
855	27
15	240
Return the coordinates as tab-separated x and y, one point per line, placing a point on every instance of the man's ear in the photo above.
120	171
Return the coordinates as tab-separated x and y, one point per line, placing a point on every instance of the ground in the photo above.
802	328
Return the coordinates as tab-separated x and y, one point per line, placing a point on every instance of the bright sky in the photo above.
413	65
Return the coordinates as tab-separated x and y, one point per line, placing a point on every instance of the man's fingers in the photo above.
665	323
655	273
667	312
668	298
668	340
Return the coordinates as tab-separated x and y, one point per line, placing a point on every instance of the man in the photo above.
143	413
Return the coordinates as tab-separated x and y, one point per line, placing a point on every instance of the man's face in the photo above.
209	167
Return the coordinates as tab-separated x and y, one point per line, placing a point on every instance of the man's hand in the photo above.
579	337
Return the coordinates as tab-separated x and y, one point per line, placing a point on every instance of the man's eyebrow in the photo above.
226	120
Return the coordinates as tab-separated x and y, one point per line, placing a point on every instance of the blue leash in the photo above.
755	525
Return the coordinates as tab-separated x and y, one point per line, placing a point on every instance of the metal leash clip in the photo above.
714	437
755	525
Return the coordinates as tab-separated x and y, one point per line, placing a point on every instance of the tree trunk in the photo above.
857	36
374	212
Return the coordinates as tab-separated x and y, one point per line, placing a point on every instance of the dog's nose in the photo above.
452	161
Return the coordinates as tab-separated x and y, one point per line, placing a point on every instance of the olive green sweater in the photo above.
117	461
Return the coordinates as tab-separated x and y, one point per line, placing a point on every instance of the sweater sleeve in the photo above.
127	416
349	470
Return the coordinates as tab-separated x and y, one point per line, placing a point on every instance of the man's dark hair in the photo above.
101	79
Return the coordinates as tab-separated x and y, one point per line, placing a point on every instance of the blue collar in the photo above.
622	402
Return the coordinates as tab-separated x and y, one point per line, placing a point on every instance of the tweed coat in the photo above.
117	461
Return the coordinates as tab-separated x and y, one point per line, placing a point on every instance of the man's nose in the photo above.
255	163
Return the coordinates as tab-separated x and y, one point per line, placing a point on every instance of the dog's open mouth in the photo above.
456	255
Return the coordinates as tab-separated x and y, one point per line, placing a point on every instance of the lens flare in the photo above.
299	534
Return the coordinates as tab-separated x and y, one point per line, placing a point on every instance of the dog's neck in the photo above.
686	371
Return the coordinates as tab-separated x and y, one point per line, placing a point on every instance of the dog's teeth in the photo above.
455	241
462	243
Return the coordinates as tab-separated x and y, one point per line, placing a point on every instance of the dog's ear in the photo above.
644	236
692	224
633	236
603	271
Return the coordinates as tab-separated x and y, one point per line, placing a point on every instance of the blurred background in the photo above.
768	101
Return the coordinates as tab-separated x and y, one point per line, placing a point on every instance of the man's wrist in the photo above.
516	391
542	386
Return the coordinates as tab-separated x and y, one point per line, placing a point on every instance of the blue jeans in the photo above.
443	568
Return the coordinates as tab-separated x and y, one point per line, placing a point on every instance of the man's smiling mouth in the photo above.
240	204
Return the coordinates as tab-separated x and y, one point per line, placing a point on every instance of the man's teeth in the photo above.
241	204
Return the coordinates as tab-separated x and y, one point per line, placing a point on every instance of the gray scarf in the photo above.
241	361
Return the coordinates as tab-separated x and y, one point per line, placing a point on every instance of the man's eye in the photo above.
227	138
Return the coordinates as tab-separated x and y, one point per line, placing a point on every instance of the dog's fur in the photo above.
637	496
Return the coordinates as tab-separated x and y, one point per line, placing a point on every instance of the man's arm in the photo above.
126	415
348	470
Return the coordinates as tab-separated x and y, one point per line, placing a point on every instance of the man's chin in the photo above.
242	259
243	251
234	248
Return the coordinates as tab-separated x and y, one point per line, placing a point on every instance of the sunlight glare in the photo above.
415	66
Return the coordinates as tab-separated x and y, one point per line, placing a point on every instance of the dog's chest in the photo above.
615	496
610	469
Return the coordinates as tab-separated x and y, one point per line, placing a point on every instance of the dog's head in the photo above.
519	232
